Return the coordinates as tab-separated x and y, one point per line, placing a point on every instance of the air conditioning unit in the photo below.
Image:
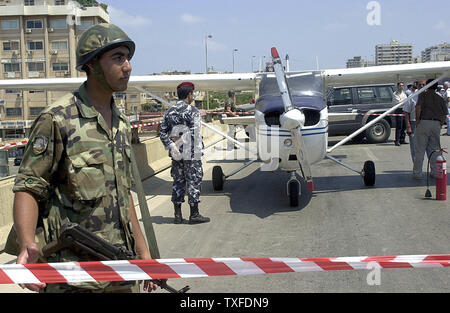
28	30
66	72
30	52
16	52
50	30
53	52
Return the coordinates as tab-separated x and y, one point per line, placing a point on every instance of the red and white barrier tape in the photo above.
14	144
24	142
237	113
74	272
146	124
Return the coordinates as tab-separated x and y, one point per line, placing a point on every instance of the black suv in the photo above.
354	105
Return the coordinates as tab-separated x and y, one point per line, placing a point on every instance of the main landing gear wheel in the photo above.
217	178
294	193
369	173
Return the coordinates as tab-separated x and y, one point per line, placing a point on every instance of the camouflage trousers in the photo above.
186	173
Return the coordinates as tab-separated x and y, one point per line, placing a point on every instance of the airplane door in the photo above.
342	111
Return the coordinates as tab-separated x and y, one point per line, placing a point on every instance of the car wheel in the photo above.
379	132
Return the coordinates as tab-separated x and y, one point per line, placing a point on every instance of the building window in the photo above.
10	24
13	91
10	45
28	2
35	67
13	112
34	24
58	24
86	24
60	66
34	111
59	2
35	45
59	45
11	67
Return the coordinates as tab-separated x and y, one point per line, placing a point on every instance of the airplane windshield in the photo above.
300	84
305	89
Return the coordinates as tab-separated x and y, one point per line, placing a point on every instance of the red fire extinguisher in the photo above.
441	178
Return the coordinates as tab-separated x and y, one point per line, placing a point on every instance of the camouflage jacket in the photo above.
80	170
181	126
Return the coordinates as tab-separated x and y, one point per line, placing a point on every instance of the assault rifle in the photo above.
81	241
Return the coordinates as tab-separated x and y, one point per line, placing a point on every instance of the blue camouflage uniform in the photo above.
181	127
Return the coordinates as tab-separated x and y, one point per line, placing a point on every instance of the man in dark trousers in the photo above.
400	125
181	134
431	112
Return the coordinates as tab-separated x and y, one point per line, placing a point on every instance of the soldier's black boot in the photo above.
178	217
195	217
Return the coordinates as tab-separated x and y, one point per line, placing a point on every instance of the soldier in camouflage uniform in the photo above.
76	167
181	134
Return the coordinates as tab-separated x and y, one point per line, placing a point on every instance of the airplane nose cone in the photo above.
292	119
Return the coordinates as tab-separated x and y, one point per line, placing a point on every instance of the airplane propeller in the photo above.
293	120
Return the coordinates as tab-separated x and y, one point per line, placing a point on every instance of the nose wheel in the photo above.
217	178
293	190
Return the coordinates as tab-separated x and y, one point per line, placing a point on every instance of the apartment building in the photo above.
358	61
393	53
38	39
436	53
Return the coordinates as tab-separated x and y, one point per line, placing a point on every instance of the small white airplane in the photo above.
290	110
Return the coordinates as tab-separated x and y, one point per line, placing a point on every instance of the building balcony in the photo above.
44	9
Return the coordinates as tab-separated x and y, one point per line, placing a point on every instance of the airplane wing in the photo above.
384	74
240	120
246	81
152	83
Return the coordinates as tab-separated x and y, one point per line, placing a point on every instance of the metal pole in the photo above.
234	50
206	72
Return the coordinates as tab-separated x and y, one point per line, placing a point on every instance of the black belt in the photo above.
431	119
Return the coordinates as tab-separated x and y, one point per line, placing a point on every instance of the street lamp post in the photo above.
206	69
234	50
253	56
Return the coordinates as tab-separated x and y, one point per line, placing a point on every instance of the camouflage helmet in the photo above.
99	39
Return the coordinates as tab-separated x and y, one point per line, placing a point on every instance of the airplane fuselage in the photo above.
276	144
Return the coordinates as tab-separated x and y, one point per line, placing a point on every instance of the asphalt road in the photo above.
252	218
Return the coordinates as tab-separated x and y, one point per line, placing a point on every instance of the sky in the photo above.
170	35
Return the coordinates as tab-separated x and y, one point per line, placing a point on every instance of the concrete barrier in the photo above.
151	158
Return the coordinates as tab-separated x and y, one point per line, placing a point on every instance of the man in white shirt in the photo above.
400	125
410	116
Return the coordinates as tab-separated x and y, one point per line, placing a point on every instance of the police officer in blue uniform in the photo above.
180	133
